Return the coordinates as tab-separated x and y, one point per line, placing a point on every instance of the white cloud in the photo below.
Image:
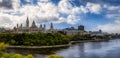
65	7
29	0
76	10
72	19
1	0
9	21
42	12
113	16
113	7
112	12
94	8
84	9
111	27
43	0
45	12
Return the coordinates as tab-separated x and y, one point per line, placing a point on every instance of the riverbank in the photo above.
54	46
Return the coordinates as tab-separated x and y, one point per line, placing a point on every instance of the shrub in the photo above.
54	56
5	55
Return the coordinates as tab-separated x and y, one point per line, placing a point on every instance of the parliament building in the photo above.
32	29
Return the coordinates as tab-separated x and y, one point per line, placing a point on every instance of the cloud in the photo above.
113	16
29	0
94	8
84	9
65	6
7	4
11	13
72	19
0	0
109	2
112	12
111	27
9	21
43	0
113	7
45	12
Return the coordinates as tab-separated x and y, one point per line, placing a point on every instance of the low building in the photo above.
72	31
2	30
75	32
81	27
97	33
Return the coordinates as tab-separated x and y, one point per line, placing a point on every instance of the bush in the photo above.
5	55
54	56
81	37
29	56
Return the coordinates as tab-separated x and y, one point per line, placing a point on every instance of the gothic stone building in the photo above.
32	29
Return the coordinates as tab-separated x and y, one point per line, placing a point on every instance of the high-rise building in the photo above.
81	27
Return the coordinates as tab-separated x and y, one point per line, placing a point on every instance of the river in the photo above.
106	49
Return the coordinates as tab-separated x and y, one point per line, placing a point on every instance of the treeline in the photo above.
40	39
115	35
82	37
43	39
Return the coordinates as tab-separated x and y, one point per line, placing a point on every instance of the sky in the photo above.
93	14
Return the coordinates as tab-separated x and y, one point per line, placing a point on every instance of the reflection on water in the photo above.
110	49
93	50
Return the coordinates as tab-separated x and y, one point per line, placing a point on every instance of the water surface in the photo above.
108	49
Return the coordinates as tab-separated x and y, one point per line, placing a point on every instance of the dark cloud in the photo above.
6	4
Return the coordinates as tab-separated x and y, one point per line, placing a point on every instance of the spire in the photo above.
100	31
21	26
17	25
44	29
27	22
40	25
51	26
17	28
44	26
33	24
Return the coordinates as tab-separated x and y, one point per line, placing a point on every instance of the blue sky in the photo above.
93	14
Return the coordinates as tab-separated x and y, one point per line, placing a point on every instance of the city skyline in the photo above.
94	15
